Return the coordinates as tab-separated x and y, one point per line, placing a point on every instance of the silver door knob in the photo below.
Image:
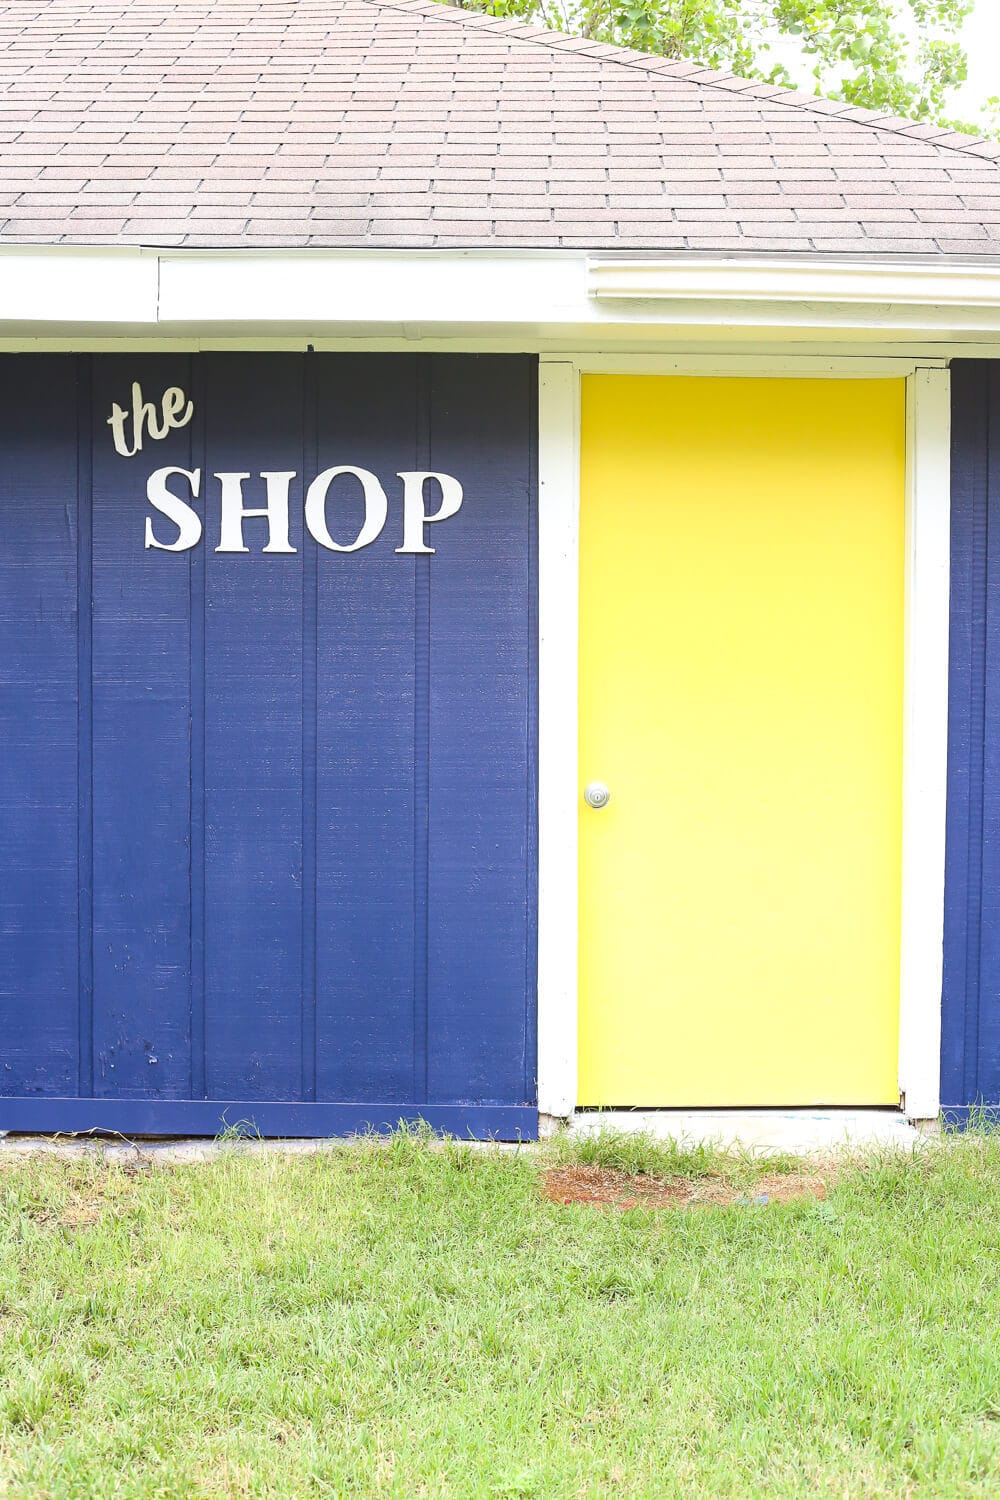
596	794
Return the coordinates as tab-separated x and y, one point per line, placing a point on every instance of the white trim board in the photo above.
760	1130
925	712
558	619
718	357
925	736
758	366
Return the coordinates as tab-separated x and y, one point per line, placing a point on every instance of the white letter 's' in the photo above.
376	508
415	516
187	521
233	511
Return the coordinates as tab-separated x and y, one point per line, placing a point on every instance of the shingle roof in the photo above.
367	123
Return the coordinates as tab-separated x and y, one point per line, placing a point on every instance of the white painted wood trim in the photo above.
558	609
756	366
925	747
715	356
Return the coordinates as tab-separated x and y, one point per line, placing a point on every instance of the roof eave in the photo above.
49	290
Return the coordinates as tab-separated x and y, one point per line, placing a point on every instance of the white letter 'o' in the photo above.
376	508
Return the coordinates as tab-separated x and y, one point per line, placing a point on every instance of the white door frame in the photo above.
928	505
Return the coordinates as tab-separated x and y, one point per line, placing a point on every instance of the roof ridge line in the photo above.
650	62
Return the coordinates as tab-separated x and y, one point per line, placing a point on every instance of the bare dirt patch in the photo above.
605	1188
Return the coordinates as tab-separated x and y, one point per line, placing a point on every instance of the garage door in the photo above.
267	658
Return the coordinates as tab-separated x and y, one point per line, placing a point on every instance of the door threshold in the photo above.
775	1129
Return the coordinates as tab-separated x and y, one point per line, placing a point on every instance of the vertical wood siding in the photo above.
267	822
970	1063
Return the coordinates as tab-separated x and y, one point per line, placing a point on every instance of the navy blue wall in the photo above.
970	1060
267	822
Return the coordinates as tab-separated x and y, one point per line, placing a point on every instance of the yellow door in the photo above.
741	680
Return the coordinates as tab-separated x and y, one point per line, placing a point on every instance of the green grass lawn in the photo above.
402	1320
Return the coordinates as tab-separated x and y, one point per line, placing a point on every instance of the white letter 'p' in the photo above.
415	517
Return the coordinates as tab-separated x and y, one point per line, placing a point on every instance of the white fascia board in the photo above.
377	289
534	296
816	281
44	285
547	293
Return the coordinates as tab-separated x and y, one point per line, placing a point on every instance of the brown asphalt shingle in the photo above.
368	123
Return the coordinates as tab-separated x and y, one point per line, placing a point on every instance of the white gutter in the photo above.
823	282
